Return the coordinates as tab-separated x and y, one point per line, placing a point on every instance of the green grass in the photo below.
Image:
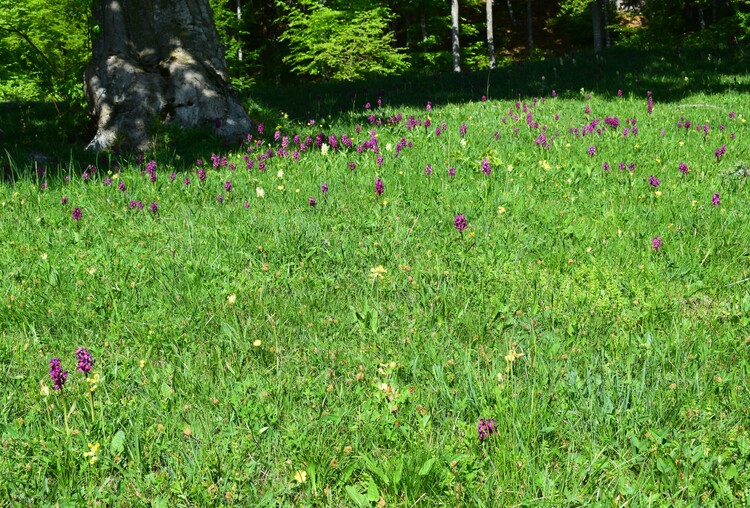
249	356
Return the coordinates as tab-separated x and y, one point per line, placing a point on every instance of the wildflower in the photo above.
352	166
656	243
462	129
220	199
554	93
324	149
64	200
716	199
313	201
377	272
259	192
85	361
719	153
257	343
428	169
606	166
650	105
653	181
231	299
451	171
380	160
202	175
77	213
246	204
619	93
486	169
93	453
324	187
93	381
187	181
459	221
300	476
429	106
379	186
592	150
56	374
154	207
683	168
485	428
133	203
228	185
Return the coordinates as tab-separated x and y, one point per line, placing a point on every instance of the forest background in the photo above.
45	44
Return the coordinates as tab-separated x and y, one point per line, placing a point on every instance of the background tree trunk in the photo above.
490	35
607	35
530	25
158	60
596	15
454	37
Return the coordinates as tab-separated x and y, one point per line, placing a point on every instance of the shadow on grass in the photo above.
43	134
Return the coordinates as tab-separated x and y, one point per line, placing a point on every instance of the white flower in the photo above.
324	149
463	142
280	174
260	192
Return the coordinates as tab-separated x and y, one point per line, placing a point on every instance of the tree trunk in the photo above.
607	34
490	35
596	15
530	24
454	37
510	14
239	39
158	60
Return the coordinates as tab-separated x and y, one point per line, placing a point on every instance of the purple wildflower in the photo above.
64	200
172	176
313	201
606	166
653	181
485	428
719	153
246	204
56	373
656	243
186	181
428	169
716	199
683	168
462	130
77	213
352	166
459	221
154	207
133	203
202	175
324	187
85	361
486	169
379	186
451	171
121	186
592	150
228	185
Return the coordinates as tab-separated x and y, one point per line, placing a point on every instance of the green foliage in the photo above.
260	351
332	43
45	45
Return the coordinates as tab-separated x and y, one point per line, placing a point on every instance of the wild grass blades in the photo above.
527	301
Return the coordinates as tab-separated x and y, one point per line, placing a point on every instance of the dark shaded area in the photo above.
663	72
51	136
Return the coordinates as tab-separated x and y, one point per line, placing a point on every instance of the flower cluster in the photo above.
85	361
485	428
459	221
56	373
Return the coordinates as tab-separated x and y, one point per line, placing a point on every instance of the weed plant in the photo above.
542	301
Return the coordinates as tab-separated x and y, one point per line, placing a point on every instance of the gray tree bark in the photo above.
158	60
490	34
530	25
596	14
454	37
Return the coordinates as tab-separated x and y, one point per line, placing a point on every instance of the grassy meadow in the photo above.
393	299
